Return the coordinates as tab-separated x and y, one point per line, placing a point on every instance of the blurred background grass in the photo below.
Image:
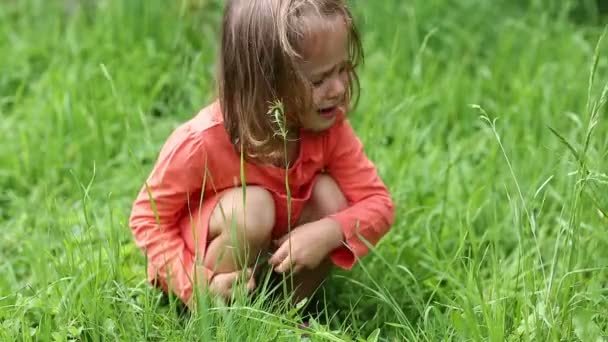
90	89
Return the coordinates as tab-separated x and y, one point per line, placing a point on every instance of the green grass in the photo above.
479	115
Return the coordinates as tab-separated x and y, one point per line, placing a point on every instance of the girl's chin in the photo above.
320	124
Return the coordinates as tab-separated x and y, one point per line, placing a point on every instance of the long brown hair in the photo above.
258	65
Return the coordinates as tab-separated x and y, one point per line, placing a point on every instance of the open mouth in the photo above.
328	112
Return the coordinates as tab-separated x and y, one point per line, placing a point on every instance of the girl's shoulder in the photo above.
204	129
207	119
207	126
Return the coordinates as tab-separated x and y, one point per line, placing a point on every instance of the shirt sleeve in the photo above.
179	172
370	211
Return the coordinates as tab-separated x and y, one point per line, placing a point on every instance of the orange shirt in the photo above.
198	160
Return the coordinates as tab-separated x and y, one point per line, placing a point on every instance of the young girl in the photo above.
195	218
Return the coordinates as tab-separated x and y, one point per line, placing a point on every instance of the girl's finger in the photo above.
281	240
228	280
248	273
220	285
284	266
235	277
226	294
279	255
251	284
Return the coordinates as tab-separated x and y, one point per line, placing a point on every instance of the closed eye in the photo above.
317	83
342	67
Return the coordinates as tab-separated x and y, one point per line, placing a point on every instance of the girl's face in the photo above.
326	62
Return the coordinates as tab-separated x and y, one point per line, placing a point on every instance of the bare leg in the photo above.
239	231
326	199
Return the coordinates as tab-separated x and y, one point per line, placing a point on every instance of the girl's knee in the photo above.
259	215
327	197
251	212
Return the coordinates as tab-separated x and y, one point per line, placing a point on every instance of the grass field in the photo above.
483	117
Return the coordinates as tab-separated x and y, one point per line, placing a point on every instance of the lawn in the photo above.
486	120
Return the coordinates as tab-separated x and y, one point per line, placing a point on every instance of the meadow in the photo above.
486	119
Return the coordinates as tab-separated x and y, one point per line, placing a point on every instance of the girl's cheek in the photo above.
316	95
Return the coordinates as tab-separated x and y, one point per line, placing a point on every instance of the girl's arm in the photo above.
370	211
178	173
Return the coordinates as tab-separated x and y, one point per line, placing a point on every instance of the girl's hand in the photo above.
306	246
222	284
